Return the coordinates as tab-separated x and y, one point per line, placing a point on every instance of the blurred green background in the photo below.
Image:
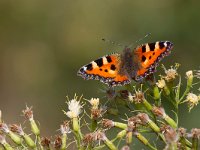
44	43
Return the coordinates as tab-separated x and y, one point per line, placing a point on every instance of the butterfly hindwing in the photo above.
106	69
148	55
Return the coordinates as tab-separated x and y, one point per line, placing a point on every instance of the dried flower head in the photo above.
126	147
57	142
107	123
17	128
159	111
182	132
143	117
64	127
138	96
45	142
161	83
94	102
4	128
97	113
169	133
28	113
74	107
192	100
88	138
99	136
195	133
171	73
133	122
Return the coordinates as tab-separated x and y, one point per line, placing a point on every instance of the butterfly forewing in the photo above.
105	69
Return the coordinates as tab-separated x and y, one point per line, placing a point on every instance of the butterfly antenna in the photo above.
148	34
112	42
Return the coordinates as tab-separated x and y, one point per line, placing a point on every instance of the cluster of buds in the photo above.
96	111
5	129
18	129
98	136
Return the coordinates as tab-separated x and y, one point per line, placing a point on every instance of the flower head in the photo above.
195	133
88	138
96	113
189	74
64	127
74	107
171	73
161	83
192	100
45	142
170	134
57	142
4	128
143	117
107	123
17	128
126	147
133	123
138	96
182	132
159	111
28	113
94	102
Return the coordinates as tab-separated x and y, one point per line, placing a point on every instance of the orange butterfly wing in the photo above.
148	55
106	69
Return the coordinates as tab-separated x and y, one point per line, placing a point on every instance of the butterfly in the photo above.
119	69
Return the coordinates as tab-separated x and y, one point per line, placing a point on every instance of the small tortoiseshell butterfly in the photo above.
118	69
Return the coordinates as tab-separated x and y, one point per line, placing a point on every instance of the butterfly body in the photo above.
119	69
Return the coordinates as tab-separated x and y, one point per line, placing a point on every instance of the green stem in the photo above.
64	141
185	143
173	146
147	105
187	90
78	140
144	141
110	144
194	143
120	125
7	146
39	142
156	93
170	121
93	125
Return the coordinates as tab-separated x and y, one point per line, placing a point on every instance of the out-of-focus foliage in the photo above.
43	44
